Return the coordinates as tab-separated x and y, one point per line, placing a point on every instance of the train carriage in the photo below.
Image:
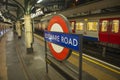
98	30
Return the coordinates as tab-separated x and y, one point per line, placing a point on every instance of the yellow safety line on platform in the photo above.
38	37
98	63
113	70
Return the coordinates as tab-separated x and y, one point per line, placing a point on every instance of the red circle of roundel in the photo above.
65	52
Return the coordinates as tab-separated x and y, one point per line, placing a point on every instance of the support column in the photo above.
28	33
104	51
16	28
3	28
19	29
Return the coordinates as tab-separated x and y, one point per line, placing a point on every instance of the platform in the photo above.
17	64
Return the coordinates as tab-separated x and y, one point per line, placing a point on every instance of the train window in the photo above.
115	26
79	26
72	25
39	26
92	26
44	25
104	25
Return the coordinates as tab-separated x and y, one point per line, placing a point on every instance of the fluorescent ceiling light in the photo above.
0	13
39	1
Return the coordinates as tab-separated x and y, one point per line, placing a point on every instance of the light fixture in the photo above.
39	1
76	0
0	13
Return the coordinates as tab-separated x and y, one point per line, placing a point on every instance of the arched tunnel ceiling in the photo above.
14	9
8	9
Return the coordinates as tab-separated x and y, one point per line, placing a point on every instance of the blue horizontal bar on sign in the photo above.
67	40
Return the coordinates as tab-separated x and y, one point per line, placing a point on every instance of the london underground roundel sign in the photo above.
59	23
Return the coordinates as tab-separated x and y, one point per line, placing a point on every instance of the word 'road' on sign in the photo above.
71	41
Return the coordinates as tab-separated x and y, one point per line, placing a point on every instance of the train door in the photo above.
110	30
104	30
115	31
73	24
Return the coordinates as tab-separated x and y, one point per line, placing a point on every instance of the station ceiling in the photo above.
15	9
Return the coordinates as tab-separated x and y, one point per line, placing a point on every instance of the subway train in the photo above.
101	30
4	27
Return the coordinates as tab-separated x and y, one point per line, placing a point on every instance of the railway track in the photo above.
112	58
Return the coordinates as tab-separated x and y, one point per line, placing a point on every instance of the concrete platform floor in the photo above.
17	64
